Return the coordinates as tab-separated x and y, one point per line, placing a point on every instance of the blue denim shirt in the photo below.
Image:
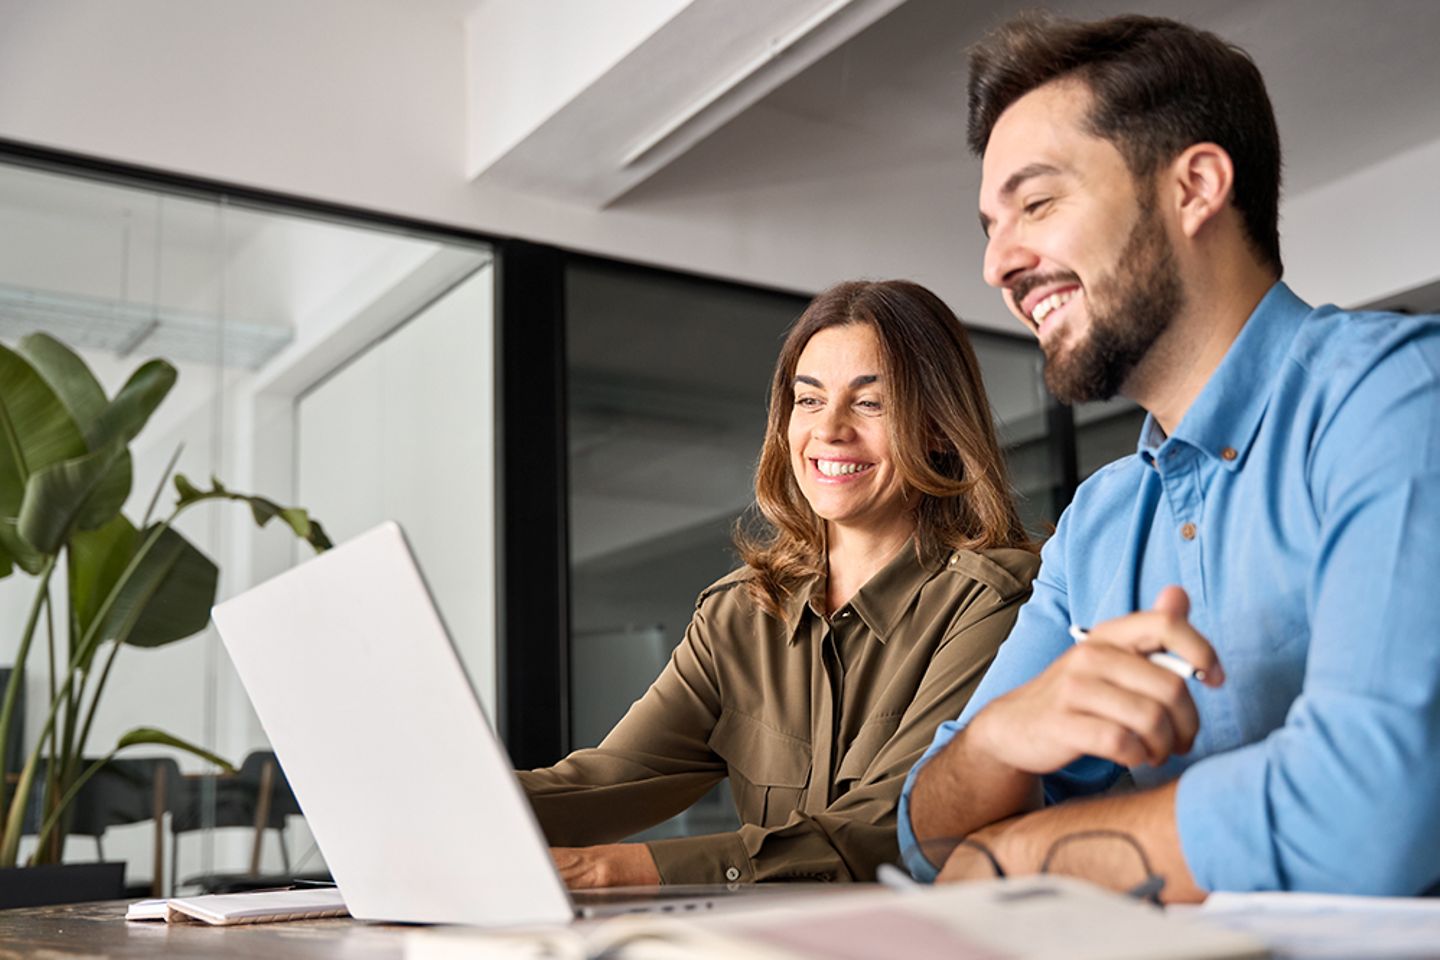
1310	468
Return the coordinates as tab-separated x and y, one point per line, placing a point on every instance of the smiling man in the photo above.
1276	527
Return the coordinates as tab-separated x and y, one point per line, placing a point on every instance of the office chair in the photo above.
127	791
257	796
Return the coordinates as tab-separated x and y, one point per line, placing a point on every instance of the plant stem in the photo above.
79	750
17	676
169	468
53	816
53	772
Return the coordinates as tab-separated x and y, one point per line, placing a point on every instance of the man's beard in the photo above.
1145	296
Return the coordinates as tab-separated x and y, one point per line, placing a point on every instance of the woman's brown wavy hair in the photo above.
942	438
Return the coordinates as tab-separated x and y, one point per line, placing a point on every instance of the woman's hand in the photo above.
606	865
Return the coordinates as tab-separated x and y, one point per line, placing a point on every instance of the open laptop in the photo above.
409	793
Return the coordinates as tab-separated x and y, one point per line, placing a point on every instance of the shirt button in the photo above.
1188	531
732	874
1228	453
843	615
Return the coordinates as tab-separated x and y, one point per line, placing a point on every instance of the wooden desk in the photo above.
95	930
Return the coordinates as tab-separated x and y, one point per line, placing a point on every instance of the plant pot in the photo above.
61	883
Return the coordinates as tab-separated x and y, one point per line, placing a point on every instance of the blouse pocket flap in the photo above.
761	754
873	735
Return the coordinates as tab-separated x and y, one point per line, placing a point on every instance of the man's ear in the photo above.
1203	176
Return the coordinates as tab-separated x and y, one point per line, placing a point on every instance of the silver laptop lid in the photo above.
408	792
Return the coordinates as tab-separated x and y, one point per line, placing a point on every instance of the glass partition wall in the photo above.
322	360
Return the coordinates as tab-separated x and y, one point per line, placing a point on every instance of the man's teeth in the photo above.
1043	308
839	468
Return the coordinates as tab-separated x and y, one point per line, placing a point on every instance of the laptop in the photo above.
408	792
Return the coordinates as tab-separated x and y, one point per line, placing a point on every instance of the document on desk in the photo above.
1318	925
226	909
1031	918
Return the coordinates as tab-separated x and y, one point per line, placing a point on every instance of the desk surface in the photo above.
95	930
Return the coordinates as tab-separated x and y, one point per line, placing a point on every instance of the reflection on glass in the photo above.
1012	370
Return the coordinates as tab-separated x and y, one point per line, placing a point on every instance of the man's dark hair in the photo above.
1158	87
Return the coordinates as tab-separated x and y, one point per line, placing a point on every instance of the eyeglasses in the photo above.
1110	858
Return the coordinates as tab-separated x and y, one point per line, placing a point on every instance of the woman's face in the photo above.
839	441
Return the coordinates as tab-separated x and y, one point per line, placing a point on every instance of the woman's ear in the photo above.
1202	177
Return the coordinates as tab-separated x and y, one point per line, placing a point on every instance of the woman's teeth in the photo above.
840	468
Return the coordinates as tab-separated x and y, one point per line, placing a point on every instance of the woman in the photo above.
892	567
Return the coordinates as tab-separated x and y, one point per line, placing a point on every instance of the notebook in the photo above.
225	909
408	792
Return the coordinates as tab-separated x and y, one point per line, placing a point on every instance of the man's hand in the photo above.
1103	698
606	865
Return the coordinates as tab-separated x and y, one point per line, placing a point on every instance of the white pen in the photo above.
1173	662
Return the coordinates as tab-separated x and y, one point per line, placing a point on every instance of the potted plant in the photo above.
65	473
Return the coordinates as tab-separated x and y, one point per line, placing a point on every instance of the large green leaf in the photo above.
23	555
128	413
297	518
151	735
72	381
83	493
167	597
97	558
35	429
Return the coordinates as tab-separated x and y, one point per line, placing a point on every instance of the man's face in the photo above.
1075	243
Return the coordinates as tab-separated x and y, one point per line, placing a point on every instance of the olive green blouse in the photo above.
815	721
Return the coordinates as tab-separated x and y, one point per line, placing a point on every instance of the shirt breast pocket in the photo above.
769	770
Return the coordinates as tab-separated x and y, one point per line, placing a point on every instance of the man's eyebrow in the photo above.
1016	180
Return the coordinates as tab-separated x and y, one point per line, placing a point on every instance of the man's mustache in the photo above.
1030	282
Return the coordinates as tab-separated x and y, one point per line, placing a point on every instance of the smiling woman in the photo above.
890	567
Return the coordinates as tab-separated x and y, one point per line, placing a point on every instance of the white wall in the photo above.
406	432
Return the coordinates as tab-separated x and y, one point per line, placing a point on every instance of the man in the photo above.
1278	527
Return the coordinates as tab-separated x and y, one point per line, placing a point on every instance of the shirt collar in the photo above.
1224	419
881	602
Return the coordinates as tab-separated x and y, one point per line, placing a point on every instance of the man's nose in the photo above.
1006	258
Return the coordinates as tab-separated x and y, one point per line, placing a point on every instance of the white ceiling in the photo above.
1352	83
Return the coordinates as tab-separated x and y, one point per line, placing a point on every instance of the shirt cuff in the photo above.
915	861
712	858
1222	816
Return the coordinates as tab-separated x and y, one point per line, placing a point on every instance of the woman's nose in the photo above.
834	425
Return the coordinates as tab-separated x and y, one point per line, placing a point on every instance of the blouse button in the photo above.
732	874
